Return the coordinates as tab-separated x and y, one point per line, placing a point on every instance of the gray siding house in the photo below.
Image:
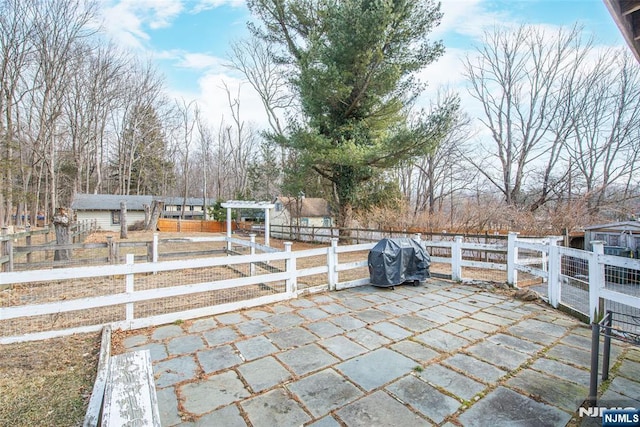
193	207
105	208
305	212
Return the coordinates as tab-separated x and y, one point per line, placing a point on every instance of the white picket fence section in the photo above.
545	263
599	291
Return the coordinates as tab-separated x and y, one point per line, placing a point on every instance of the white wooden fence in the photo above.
130	295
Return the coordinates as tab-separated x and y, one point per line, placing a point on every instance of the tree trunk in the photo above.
345	218
156	209
123	220
147	215
61	224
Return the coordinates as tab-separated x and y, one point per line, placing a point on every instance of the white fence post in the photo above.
129	280
553	283
545	258
512	259
596	280
290	265
456	259
154	257
332	263
267	227
228	229
252	251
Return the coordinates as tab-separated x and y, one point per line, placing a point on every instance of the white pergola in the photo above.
244	204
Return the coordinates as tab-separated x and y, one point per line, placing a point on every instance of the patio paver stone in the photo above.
370	356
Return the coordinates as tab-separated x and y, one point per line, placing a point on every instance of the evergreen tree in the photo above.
264	173
353	66
143	164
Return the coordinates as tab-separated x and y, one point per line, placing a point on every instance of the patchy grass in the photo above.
47	383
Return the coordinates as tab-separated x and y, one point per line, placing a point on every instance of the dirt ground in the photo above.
47	383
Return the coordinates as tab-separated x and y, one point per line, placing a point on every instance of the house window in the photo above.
326	222
614	240
278	207
305	222
600	236
115	217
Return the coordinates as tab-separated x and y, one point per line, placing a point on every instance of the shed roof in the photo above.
109	202
189	201
616	226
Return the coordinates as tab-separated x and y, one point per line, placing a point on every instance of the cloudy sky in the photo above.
188	40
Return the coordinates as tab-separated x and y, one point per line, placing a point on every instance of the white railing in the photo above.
131	295
591	289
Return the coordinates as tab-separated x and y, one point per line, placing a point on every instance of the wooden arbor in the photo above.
242	204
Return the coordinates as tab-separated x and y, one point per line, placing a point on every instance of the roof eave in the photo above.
626	24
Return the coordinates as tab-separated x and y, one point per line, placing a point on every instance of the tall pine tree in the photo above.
353	65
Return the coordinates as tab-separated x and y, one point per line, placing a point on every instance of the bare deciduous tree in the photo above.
136	124
58	28
428	181
520	78
15	54
255	60
604	143
187	114
243	141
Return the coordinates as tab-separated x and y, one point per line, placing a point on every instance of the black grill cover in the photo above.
395	261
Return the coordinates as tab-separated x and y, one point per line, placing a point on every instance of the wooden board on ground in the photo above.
130	397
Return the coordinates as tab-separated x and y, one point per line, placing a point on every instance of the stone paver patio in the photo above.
440	354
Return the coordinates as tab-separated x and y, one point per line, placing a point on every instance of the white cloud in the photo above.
212	4
446	71
466	20
447	75
200	61
161	12
467	17
191	60
214	103
123	26
125	20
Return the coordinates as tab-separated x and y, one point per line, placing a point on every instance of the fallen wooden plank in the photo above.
92	416
130	397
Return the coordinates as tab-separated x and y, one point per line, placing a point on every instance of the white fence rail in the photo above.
586	283
48	303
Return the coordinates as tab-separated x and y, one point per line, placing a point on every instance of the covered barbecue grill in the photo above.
396	261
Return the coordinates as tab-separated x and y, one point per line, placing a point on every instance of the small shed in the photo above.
105	209
620	234
302	211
